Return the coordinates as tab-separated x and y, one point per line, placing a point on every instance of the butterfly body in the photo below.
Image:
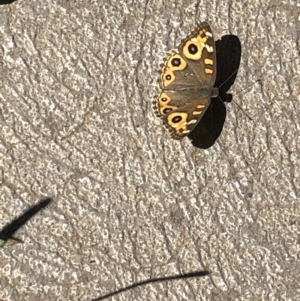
187	80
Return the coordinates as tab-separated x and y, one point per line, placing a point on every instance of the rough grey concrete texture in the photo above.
129	203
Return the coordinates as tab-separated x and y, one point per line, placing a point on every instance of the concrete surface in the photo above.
130	204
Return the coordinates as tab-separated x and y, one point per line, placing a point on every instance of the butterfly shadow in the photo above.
207	131
2	2
8	231
153	280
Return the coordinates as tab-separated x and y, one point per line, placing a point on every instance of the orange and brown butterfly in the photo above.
187	78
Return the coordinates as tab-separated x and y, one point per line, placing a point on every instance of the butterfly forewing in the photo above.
198	49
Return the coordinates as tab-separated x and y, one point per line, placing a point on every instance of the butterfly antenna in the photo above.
242	109
247	87
234	72
236	105
239	92
242	91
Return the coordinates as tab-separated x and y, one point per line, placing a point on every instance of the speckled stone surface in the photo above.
77	79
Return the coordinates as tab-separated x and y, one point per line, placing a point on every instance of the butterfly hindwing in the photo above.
180	123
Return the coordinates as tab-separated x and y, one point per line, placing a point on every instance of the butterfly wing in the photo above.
181	110
186	81
199	51
176	73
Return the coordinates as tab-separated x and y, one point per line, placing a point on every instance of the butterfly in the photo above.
187	79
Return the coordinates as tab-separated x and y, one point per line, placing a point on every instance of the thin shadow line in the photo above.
184	276
8	231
